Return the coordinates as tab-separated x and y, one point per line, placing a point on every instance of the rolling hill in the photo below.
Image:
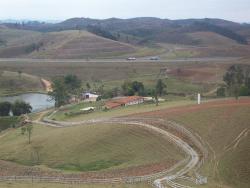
79	44
223	126
64	45
93	38
14	83
88	151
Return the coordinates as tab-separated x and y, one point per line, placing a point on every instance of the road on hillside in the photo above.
168	176
138	60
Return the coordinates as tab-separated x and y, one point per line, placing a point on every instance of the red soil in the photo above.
194	108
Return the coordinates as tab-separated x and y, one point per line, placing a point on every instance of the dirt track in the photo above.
166	176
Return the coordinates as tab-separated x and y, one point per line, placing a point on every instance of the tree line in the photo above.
63	88
237	82
17	108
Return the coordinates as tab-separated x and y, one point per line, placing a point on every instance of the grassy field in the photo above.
8	122
220	127
44	185
224	126
99	113
66	45
14	42
89	148
80	44
15	83
195	77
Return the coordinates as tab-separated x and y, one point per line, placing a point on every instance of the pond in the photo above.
39	102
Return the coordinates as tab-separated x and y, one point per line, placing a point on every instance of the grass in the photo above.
80	44
88	148
220	127
13	83
8	122
174	85
47	185
61	114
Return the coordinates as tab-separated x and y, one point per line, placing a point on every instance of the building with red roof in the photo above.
124	101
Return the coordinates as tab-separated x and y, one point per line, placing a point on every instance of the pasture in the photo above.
89	151
13	83
224	128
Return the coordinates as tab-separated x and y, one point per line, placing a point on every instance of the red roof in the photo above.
128	99
111	105
122	101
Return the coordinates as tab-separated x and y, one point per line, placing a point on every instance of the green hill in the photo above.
114	148
224	127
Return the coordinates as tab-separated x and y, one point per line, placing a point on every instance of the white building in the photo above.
90	96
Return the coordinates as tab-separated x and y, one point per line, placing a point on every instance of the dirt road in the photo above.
168	176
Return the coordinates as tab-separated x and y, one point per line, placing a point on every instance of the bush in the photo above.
8	122
244	91
221	92
5	108
20	107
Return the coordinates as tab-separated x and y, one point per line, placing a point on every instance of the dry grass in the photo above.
224	127
46	185
14	83
79	44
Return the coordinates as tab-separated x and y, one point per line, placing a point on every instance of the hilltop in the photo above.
83	37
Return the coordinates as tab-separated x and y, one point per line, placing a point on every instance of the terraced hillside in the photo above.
224	128
62	45
15	42
79	44
14	83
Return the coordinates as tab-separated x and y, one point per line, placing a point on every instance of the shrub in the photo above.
21	107
244	91
221	92
5	108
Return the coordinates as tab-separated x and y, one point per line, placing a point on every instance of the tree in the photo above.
59	92
28	129
132	88
138	88
160	87
234	79
154	95
88	86
20	107
221	92
72	83
19	73
5	108
127	89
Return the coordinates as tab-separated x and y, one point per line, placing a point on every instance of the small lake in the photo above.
39	102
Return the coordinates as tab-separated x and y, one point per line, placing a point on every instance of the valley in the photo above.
113	103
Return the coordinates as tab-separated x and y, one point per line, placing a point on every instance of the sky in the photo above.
234	10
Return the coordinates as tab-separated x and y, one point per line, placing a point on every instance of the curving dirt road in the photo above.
167	176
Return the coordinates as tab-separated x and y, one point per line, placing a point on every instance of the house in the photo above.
124	101
91	97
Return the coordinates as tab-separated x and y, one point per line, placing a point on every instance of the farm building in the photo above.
90	96
125	101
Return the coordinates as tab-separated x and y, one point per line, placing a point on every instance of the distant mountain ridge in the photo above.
113	37
146	28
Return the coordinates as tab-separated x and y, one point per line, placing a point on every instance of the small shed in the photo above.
90	96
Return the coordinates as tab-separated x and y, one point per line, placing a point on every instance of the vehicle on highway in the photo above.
131	58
